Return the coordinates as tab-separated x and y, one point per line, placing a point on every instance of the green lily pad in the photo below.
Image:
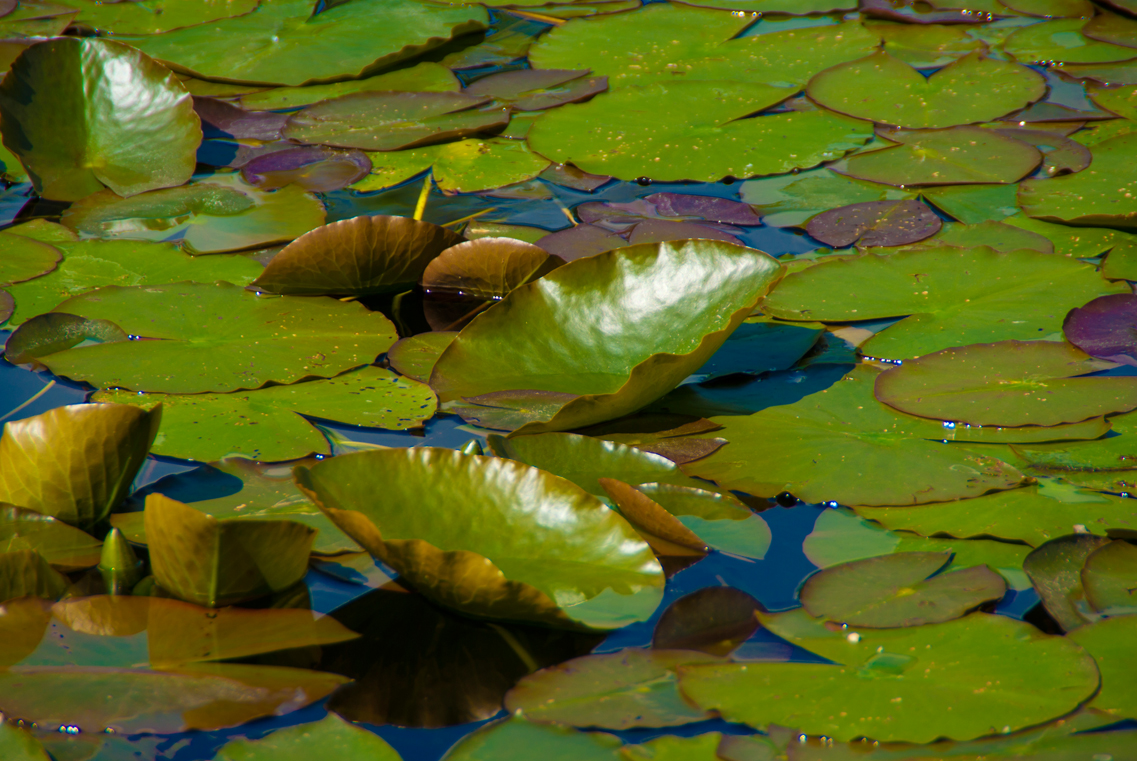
895	590
562	309
1101	195
1010	383
884	89
999	236
218	213
218	562
692	130
282	339
1062	41
1110	642
155	16
945	157
622	690
973	204
889	687
415	356
924	45
65	547
659	44
1112	27
538	89
1081	242
790	200
660	529
464	166
1109	578
1106	73
953	297
531	547
823	448
1051	8
358	257
75	463
93	264
23	259
1120	100
331	735
1055	570
1102	131
25	573
516	739
423	77
1033	515
1107	463
93	132
282	43
19	745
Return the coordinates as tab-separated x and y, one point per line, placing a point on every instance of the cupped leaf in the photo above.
464	166
24	259
718	519
357	256
1055	570
525	545
75	463
283	43
895	684
423	77
215	214
951	296
1010	383
94	131
65	547
895	590
1110	642
658	124
516	739
582	310
329	736
1062	41
1109	579
714	620
313	168
883	89
1103	328
25	573
217	562
790	200
415	356
1102	195
876	223
232	338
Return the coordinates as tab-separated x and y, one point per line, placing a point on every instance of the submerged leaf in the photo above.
714	620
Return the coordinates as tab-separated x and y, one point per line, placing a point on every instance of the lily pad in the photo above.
895	590
464	166
358	257
218	562
1055	570
973	204
93	133
876	223
75	463
218	213
714	620
313	168
790	200
25	573
568	560
953	297
538	89
955	156
692	130
883	89
278	339
220	118
282	43
23	259
1102	195
423	77
330	735
1062	41
890	687
1110	643
728	279
1106	73
925	45
1109	579
1001	236
717	519
516	739
1052	8
155	16
659	528
64	547
1102	328
415	356
19	744
267	425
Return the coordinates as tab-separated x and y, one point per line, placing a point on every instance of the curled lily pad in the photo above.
718	519
1009	383
876	223
119	565
538	89
330	735
1109	579
530	547
1062	41
790	200
218	213
155	16
75	463
659	528
1055	570
25	573
279	339
423	77
313	168
1101	195
218	562
415	356
714	620
464	166
562	308
93	133
1103	328
886	90
357	256
953	296
965	655
64	547
895	590
24	259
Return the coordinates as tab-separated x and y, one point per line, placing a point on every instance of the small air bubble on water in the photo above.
949	425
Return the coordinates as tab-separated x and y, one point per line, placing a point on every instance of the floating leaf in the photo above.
1110	642
649	131
538	89
282	43
1055	570
568	560
972	204
1109	579
883	89
415	356
222	119
1106	73
75	463
215	562
1001	236
330	735
954	296
25	573
659	528
923	46
423	77
465	166
279	339
1103	194
876	223
581	241
566	305
1102	328
890	688
19	744
1052	8
24	259
93	132
218	213
903	10
516	739
313	168
790	200
1061	41
66	548
155	16
714	620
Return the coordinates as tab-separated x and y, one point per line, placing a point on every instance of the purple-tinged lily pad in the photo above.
312	167
714	620
571	177
221	119
875	223
1104	328
662	230
709	208
538	89
581	241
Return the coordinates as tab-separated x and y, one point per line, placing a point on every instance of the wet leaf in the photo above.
1101	195
217	562
876	223
94	132
1055	569
658	124
331	735
119	566
516	739
423	77
790	200
622	690
415	356
218	213
895	590
714	620
624	374
75	463
23	259
465	166
526	546
874	668
953	296
282	43
1103	328
1110	642
538	89
66	548
25	573
278	339
358	256
313	168
1062	41
155	16
883	89
1109	579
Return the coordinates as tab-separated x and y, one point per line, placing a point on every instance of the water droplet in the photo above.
949	425
785	499
643	181
853	637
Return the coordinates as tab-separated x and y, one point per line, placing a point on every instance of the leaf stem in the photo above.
420	207
37	395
